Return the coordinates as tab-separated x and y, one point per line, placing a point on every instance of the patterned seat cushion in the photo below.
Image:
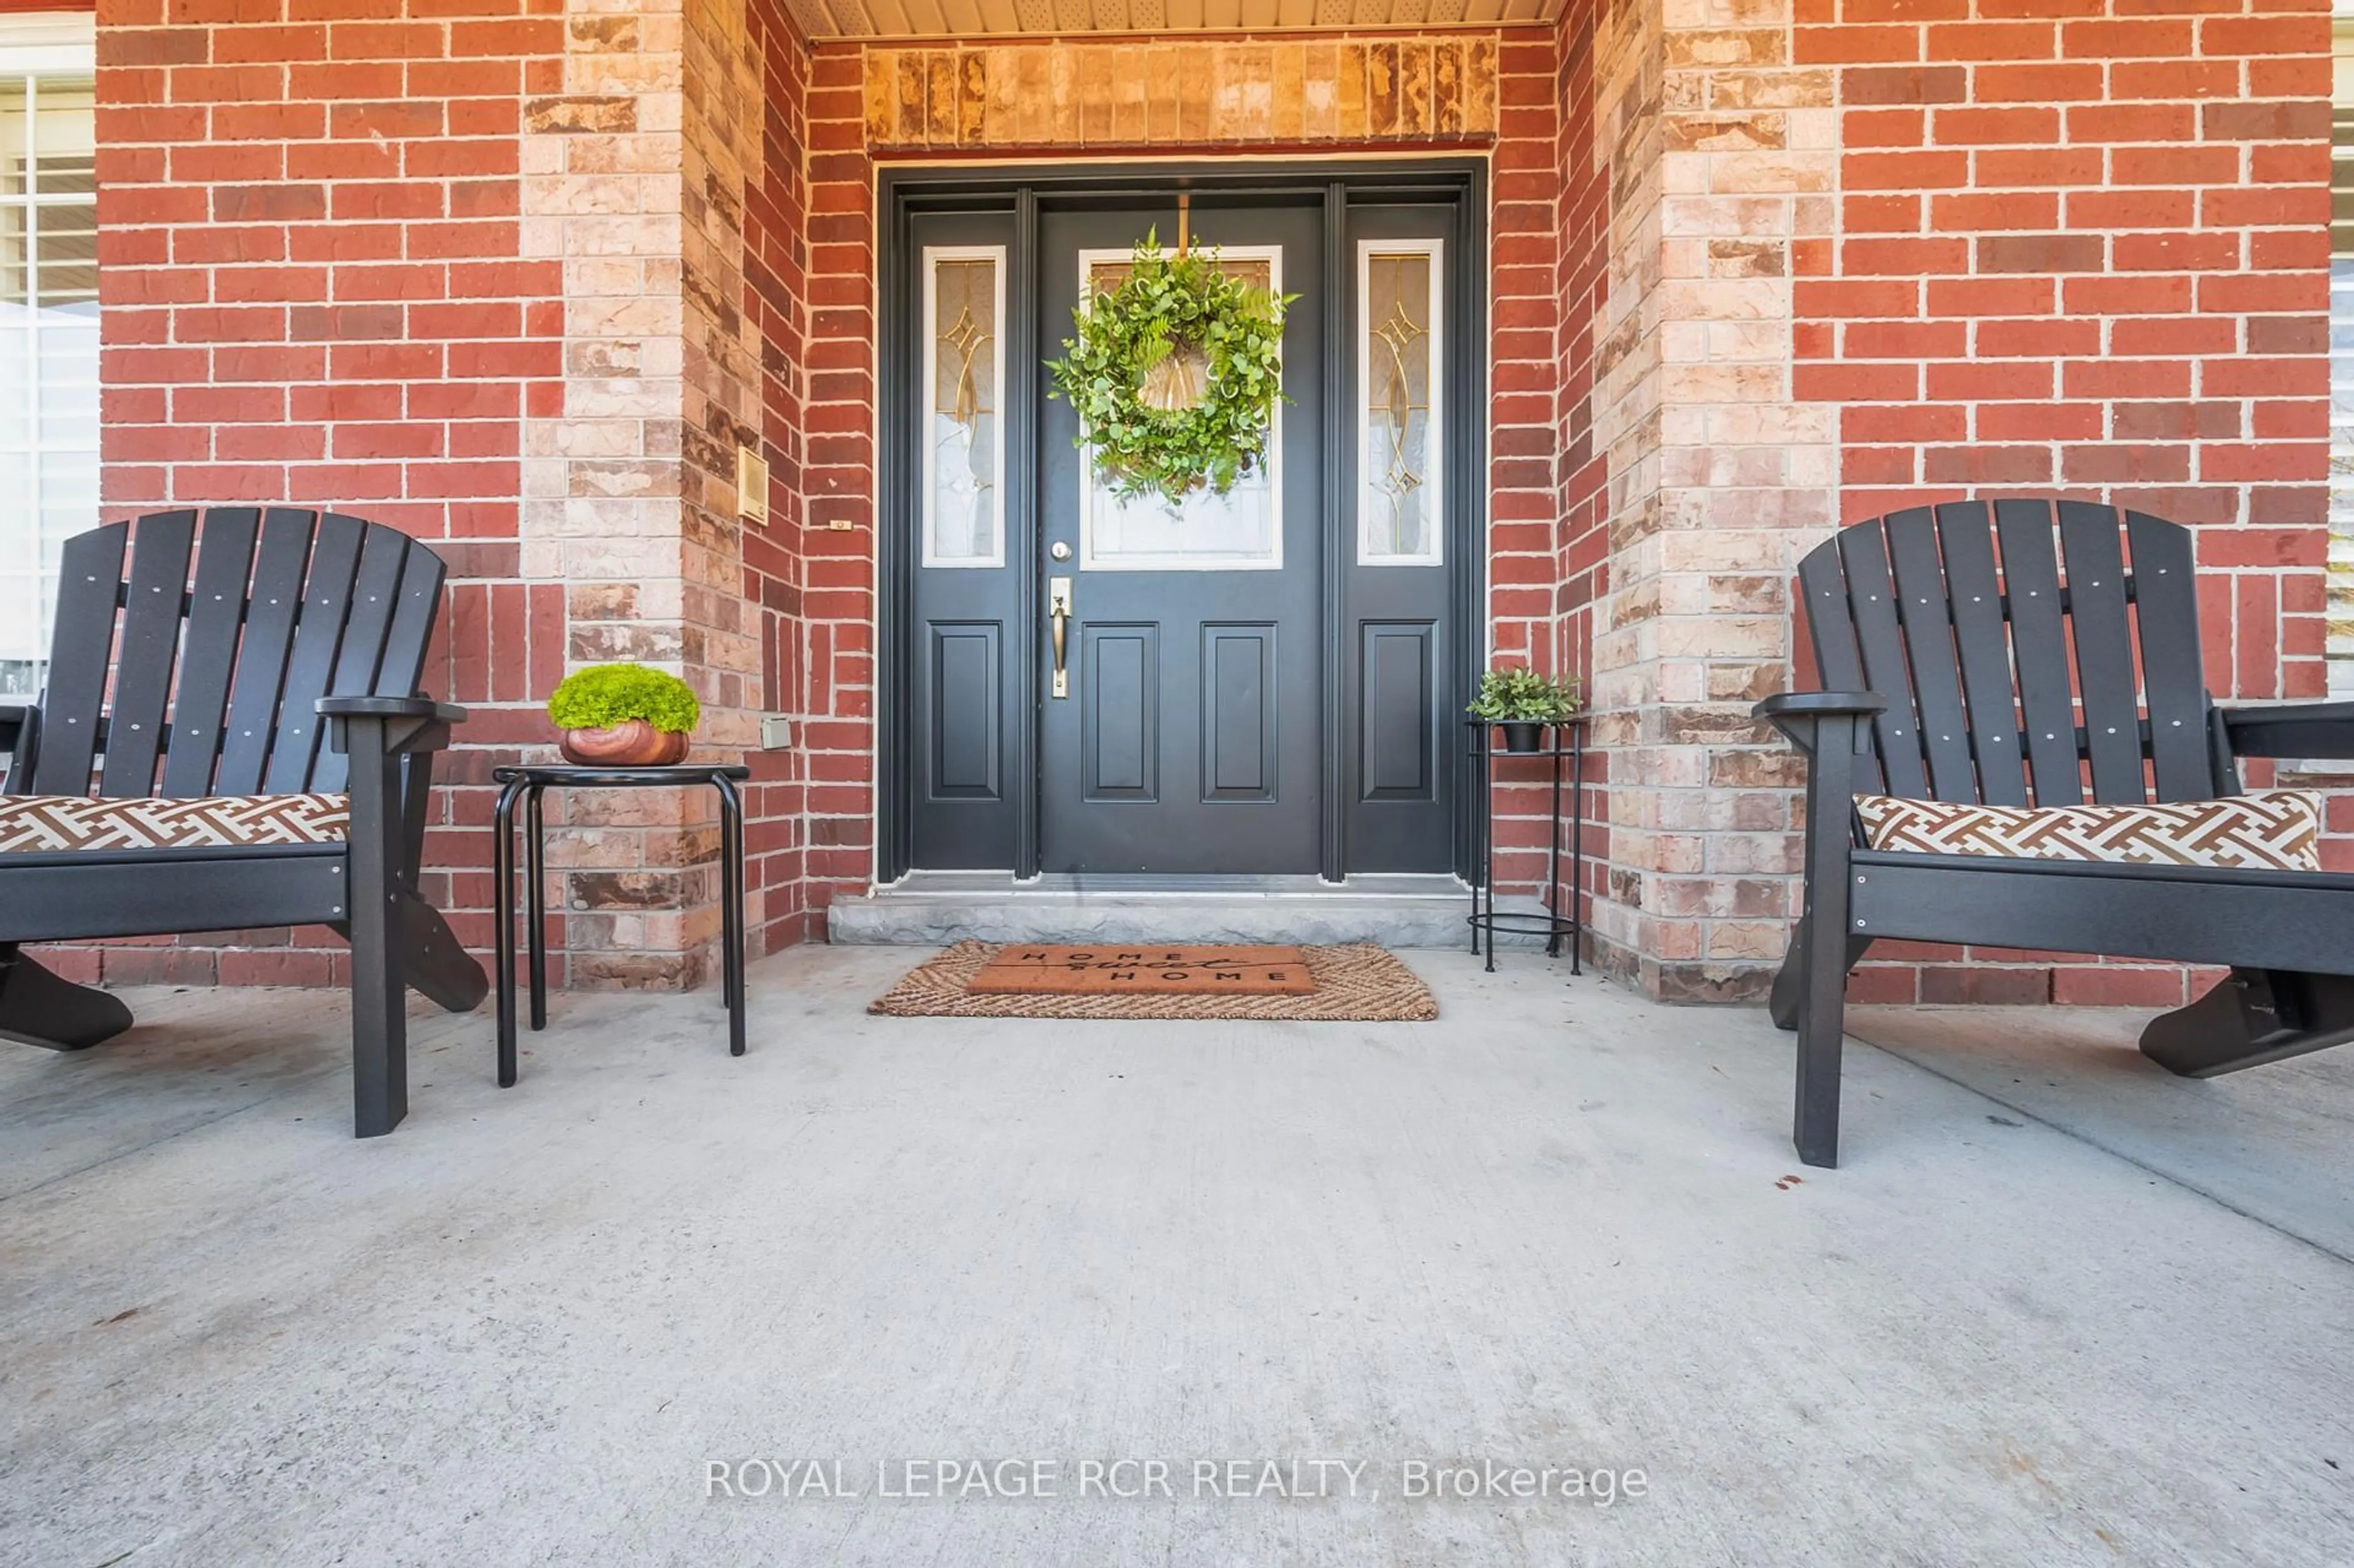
29	823
2274	829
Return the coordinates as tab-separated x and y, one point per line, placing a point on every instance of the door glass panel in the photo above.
1239	531
1397	440
964	507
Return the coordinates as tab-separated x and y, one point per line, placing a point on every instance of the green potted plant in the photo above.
623	716
1521	702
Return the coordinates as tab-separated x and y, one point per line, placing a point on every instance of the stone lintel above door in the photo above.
1439	90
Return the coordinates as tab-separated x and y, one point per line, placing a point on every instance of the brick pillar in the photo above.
1717	154
665	180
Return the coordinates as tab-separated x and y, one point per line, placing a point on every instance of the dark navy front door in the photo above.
1262	684
1185	737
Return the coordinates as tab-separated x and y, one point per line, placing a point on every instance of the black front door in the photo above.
1263	683
1183	738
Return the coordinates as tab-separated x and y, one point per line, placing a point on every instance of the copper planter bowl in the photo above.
635	743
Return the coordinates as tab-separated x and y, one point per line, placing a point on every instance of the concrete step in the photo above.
932	909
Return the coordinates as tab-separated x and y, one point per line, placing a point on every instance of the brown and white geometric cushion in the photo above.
2277	830
29	823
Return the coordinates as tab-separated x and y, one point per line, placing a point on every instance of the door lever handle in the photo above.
1058	613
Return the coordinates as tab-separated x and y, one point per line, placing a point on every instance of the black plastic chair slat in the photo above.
90	587
318	638
209	649
375	595
2094	555
279	569
1872	602
2174	678
1831	628
1922	610
2039	647
406	644
154	604
1965	541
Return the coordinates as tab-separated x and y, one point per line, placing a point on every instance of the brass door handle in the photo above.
1058	612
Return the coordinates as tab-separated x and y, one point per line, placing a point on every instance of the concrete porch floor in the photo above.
2058	1307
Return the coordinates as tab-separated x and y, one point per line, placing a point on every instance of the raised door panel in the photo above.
1119	684
1238	716
966	670
1399	729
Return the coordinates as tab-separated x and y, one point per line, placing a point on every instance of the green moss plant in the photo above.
603	695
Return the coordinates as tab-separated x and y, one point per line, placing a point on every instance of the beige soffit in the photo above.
1047	19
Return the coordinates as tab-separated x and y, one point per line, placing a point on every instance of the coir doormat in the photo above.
1359	982
1024	970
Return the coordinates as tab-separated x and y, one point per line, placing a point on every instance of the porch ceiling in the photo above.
1045	18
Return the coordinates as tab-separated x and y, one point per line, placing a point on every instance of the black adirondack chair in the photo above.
1965	659
288	665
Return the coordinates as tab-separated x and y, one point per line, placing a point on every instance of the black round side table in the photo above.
1568	740
530	784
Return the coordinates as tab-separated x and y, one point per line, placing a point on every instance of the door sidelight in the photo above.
1058	611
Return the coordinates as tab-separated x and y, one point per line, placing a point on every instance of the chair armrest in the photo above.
1816	704
2320	730
409	724
1813	722
1800	714
391	707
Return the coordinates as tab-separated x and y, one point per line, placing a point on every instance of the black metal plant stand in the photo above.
530	784
1568	740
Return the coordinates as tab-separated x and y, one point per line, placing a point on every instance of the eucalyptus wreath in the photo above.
1175	305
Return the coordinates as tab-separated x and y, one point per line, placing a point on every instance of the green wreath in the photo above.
1174	375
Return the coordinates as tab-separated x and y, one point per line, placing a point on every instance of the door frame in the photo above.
1020	188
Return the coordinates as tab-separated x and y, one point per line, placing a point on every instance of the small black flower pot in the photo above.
1523	735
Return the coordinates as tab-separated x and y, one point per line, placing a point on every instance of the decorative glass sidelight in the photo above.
1398	456
1239	531
964	444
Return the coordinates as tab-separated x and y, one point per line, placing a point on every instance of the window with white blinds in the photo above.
49	333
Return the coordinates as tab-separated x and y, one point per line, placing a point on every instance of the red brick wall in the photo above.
776	564
309	215
1529	466
2085	249
838	599
1580	522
